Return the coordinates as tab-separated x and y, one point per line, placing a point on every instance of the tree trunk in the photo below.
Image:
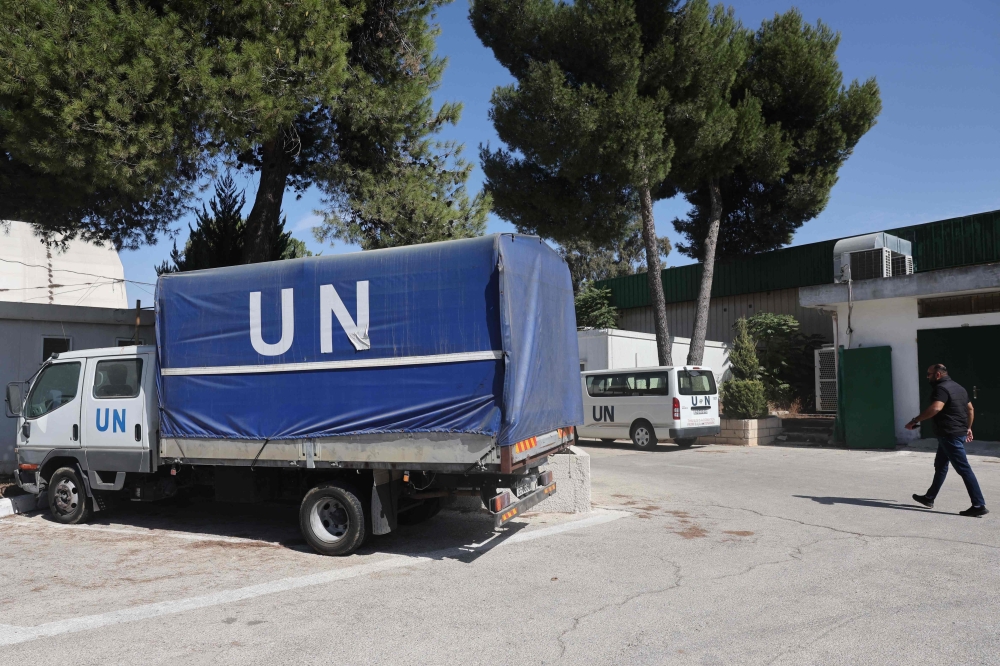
653	276
259	234
697	351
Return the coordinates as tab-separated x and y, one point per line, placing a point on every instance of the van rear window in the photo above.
695	382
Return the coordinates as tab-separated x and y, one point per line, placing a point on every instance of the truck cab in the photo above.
94	412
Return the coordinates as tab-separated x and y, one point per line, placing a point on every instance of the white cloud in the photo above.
307	223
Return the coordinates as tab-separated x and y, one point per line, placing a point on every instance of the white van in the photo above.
650	404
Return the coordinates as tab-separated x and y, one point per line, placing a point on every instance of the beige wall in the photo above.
725	311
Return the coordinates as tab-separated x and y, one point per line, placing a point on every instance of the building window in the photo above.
128	342
949	306
52	346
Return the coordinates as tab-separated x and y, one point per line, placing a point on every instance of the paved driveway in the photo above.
706	555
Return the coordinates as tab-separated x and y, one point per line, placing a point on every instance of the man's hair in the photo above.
939	367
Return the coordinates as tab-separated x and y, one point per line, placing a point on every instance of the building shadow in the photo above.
872	503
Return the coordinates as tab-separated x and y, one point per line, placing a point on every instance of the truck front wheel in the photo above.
68	497
332	519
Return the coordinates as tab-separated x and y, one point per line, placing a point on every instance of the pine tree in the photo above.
587	151
218	237
110	112
589	261
765	115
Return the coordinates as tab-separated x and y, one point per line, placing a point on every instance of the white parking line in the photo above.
185	536
11	635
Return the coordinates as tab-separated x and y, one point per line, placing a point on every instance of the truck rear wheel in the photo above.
332	519
68	501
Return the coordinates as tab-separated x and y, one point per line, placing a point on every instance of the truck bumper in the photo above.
704	431
511	511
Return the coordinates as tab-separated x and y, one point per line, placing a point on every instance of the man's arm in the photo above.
929	413
972	415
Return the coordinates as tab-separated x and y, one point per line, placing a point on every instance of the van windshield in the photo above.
695	382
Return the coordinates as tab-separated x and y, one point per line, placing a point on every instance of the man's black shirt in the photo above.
953	419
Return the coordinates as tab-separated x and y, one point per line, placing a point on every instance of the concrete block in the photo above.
10	506
571	472
746	432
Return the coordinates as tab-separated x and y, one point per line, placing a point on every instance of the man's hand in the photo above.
968	435
914	424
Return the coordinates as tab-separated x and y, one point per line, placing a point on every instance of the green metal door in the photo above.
970	354
865	406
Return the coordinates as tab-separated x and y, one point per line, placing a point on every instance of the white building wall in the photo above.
894	322
82	274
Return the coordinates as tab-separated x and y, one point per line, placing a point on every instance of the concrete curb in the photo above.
10	506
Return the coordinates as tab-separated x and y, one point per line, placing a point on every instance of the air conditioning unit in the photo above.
826	379
871	256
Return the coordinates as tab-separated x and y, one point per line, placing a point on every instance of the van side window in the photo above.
606	386
695	382
55	387
118	379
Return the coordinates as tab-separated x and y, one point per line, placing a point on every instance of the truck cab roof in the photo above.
106	351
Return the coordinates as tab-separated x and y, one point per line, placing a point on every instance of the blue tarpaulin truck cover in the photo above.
467	336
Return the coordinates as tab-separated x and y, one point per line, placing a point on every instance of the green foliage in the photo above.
584	124
804	125
110	111
594	309
744	398
786	358
625	256
743	361
217	239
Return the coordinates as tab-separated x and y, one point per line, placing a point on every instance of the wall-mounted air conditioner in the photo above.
871	256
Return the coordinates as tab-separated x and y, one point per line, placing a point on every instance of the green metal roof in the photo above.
961	241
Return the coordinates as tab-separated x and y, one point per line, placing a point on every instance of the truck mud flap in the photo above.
511	511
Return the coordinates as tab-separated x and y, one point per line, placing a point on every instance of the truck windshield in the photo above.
695	382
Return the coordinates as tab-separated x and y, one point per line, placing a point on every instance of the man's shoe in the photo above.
975	511
925	500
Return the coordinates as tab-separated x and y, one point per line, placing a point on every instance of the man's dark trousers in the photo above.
951	448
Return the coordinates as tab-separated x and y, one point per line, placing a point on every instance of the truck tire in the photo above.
643	435
685	442
426	510
68	500
332	519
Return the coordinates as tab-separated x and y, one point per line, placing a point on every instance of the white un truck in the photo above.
366	387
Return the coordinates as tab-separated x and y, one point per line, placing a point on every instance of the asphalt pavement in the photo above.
708	555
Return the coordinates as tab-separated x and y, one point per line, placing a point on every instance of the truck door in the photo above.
52	410
114	432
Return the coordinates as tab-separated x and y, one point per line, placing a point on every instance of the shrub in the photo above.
744	399
594	309
743	354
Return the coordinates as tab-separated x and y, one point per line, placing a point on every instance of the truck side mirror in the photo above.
14	399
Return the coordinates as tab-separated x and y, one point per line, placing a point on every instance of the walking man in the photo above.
953	414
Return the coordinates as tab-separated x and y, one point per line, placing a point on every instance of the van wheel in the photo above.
643	435
68	501
332	519
685	442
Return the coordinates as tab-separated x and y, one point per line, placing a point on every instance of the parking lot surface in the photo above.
709	555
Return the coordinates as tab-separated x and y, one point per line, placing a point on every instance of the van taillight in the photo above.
677	409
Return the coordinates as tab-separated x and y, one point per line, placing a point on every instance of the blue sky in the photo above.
934	154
